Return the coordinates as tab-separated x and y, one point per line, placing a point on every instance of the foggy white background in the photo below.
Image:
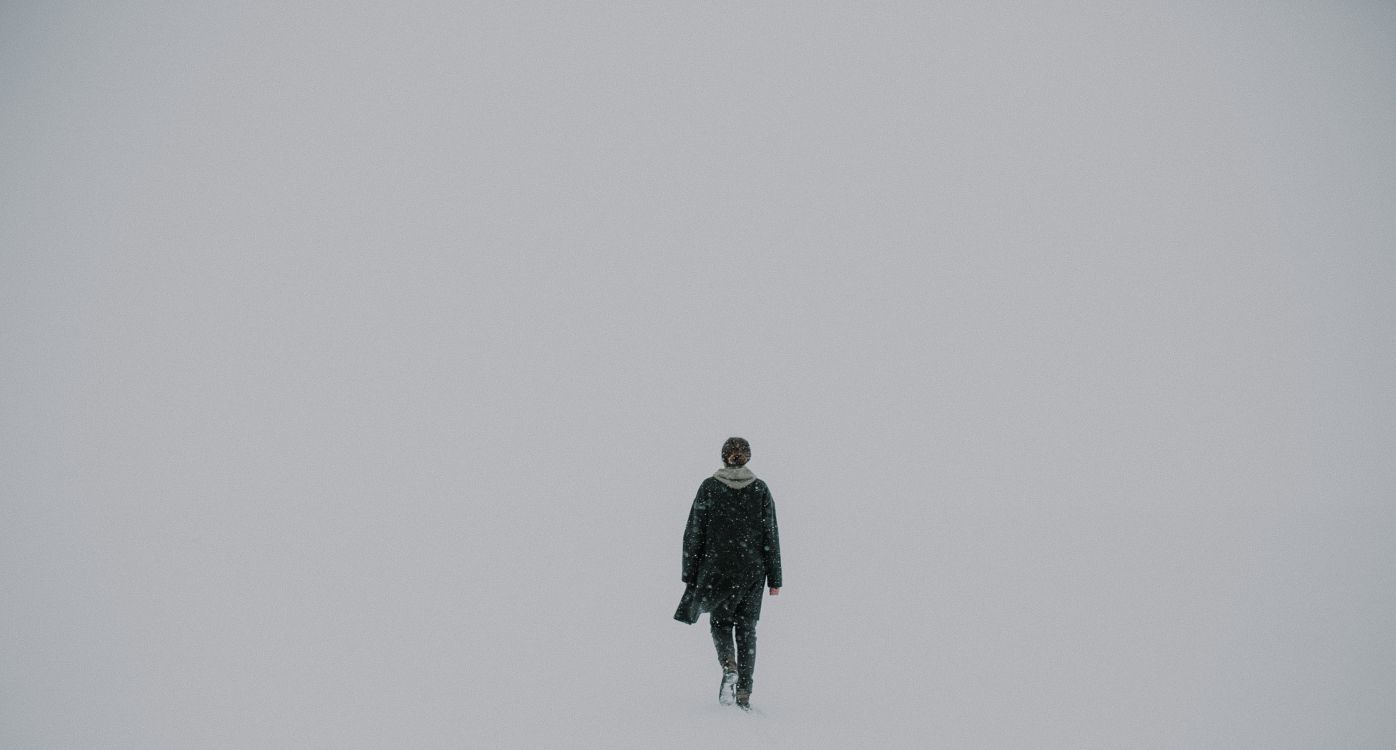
358	364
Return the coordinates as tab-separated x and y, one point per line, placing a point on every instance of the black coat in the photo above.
731	543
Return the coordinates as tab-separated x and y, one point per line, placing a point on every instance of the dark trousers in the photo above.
745	652
736	616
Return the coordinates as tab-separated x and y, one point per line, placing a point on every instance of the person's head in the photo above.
736	451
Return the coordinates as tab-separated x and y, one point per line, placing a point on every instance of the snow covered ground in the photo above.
358	365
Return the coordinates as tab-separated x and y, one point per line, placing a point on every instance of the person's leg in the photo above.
744	623
722	639
746	655
726	656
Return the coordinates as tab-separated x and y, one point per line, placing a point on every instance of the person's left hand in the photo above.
775	592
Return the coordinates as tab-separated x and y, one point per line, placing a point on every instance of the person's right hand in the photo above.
775	592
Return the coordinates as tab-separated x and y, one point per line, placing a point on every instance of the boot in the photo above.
729	681
744	700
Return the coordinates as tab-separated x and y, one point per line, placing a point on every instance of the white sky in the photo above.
358	364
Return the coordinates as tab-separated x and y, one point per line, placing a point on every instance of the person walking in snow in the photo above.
731	551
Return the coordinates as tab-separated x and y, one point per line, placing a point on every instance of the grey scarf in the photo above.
735	477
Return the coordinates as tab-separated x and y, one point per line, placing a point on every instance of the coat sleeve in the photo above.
695	538
771	544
